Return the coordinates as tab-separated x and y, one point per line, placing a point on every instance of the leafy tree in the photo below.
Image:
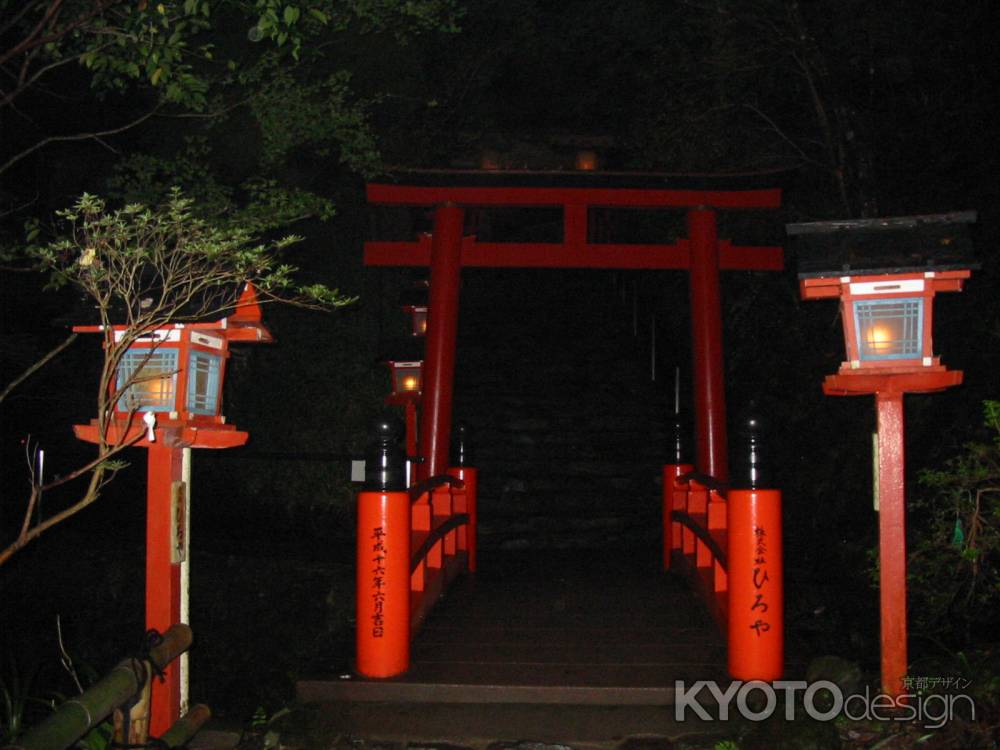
146	268
180	66
954	566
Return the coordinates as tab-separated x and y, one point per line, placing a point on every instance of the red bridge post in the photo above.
383	583
674	498
756	625
382	587
756	597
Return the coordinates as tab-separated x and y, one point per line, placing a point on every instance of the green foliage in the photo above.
23	706
15	699
954	560
313	114
99	738
198	60
166	264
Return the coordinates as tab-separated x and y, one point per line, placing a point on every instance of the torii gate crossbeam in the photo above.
445	251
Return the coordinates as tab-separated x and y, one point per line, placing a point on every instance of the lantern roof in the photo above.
243	323
901	244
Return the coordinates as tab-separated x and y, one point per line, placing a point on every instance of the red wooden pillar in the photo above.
382	605
442	324
706	345
892	540
163	572
756	623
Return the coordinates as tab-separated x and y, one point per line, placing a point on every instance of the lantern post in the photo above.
885	272
167	398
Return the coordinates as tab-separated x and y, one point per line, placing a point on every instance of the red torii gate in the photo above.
702	253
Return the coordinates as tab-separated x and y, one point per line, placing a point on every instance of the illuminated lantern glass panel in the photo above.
889	329
203	383
153	376
419	321
406	377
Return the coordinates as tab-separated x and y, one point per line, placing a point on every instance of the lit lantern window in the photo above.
149	380
407	380
418	315
889	329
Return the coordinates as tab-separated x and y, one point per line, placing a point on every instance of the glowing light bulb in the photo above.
880	338
410	383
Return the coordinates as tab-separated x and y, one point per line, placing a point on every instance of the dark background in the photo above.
851	110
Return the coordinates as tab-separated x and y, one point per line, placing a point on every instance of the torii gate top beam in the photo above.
576	250
420	195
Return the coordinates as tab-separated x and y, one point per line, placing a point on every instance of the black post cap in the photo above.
385	460
754	476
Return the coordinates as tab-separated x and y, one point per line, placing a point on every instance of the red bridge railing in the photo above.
727	542
411	544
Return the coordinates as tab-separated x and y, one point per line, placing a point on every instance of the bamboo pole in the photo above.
187	726
74	718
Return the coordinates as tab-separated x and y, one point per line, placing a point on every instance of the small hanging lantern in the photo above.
885	273
418	315
587	160
407	380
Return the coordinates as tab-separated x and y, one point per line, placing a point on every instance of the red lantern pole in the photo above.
163	571
442	325
706	345
892	540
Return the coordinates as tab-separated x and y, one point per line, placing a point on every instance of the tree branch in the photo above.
77	137
37	366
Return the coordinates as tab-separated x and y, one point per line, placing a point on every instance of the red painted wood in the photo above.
671	529
382	604
170	433
706	345
574	255
855	383
892	541
756	629
442	326
413	195
469	477
163	578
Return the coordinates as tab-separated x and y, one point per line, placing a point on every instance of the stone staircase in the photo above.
566	426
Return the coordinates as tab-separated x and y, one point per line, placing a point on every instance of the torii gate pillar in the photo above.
442	327
706	344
